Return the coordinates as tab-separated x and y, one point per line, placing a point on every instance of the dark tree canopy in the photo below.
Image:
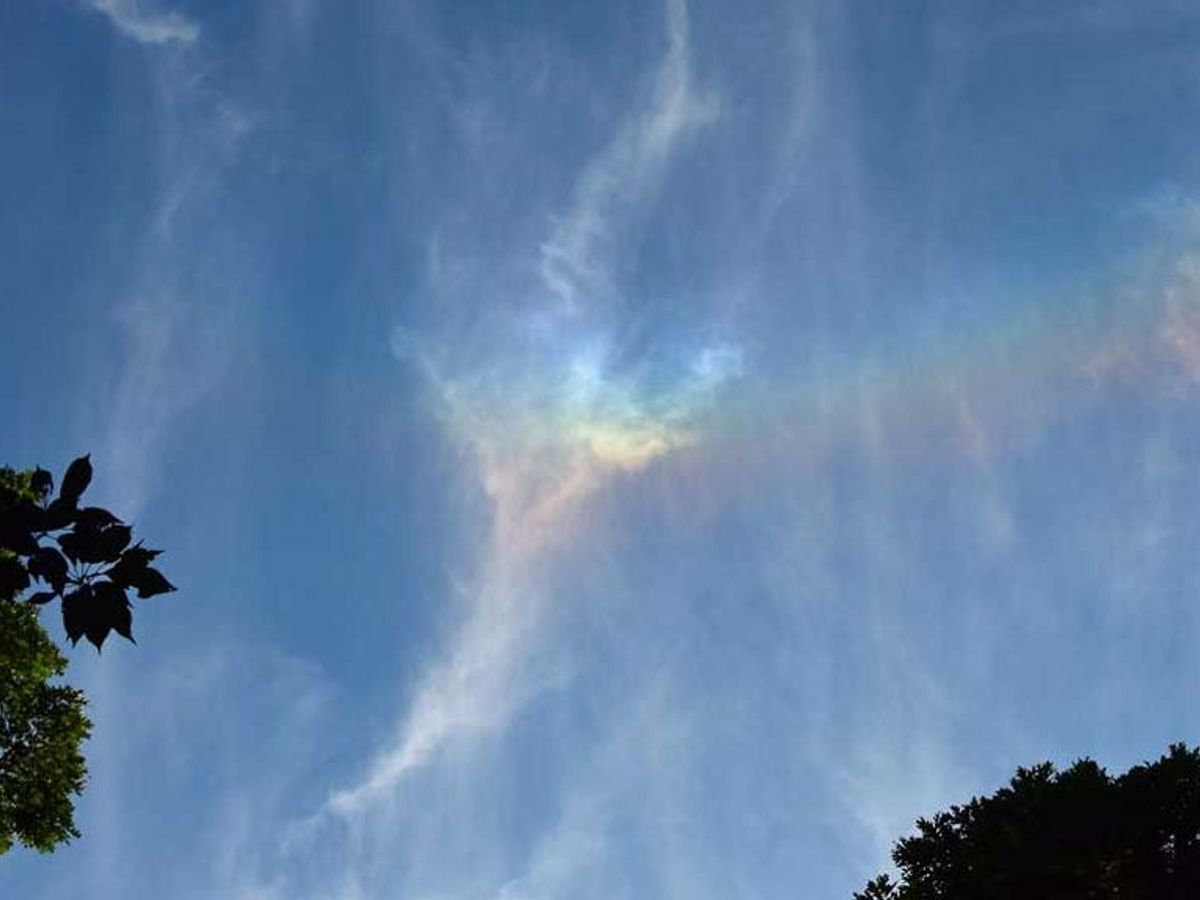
1068	835
54	548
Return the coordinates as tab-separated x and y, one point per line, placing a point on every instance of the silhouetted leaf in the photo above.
59	514
122	622
95	518
75	482
151	582
114	606
142	555
97	627
42	597
50	566
74	612
42	482
86	545
71	544
111	542
87	615
131	564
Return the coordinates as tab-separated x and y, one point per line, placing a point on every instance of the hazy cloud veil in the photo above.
651	450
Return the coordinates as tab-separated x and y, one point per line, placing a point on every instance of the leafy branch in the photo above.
83	556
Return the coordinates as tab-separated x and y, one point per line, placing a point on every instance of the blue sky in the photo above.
622	450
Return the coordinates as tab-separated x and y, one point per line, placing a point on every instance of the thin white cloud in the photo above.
577	258
147	26
176	343
637	764
540	488
173	356
539	498
181	721
474	689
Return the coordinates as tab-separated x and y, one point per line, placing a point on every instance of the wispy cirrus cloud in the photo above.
706	600
547	438
578	256
175	352
147	25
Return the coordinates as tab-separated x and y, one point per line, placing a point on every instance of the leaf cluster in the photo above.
1079	833
80	555
42	728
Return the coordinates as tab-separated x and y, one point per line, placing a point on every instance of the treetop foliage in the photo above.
1079	833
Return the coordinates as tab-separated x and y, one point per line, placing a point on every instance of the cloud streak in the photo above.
749	510
147	26
174	356
547	438
577	258
554	421
543	452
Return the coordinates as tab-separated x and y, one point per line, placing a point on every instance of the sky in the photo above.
605	450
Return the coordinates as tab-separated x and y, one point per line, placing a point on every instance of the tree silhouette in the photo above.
83	557
1068	835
